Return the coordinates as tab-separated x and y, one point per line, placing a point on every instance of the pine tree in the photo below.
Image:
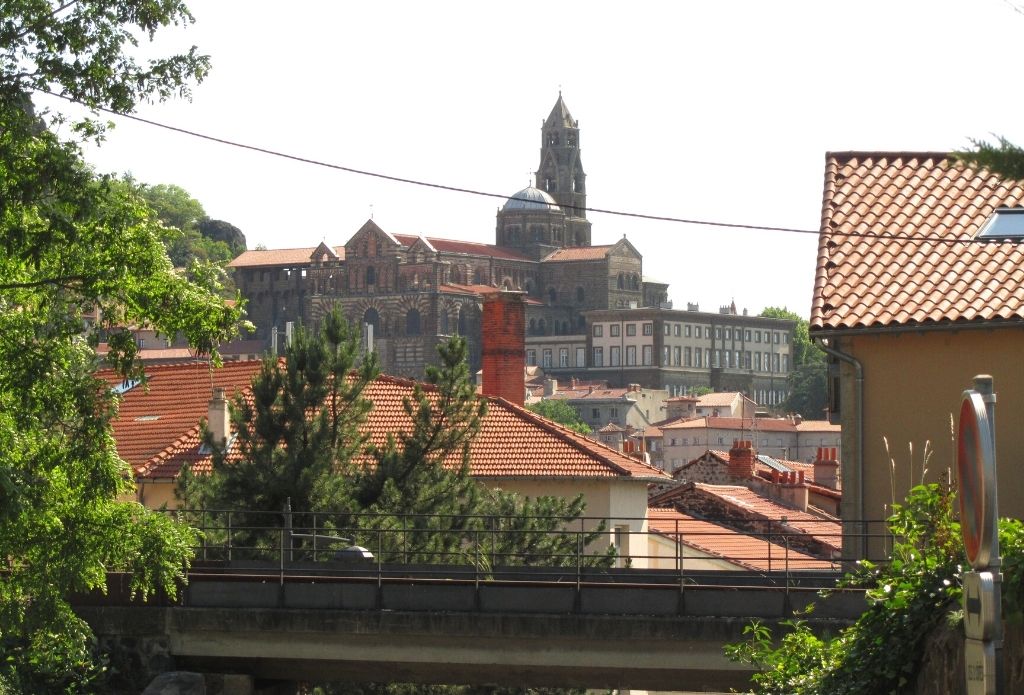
296	435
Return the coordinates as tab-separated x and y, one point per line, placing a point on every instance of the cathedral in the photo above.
412	292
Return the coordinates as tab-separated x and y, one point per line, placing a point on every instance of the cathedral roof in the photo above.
531	198
578	253
471	248
560	116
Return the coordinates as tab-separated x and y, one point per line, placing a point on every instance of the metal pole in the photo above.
288	526
229	536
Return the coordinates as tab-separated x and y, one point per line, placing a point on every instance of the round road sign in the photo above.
975	465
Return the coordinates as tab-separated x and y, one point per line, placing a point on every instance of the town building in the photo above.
919	287
629	408
414	291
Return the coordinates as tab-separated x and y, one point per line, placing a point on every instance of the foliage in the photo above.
188	233
808	379
562	413
300	428
71	242
698	391
907	598
1002	157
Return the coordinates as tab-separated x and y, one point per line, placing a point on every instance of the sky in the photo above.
713	111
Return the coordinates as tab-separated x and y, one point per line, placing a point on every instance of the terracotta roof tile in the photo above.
578	253
825	530
470	248
740	548
734	423
275	257
937	275
717	400
513	441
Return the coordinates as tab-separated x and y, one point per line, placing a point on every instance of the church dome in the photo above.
531	199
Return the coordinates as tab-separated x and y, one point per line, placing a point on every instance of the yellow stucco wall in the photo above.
912	383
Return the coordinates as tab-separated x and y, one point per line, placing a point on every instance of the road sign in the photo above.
981	616
976	468
980	664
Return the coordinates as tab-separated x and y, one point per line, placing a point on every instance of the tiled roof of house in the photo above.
275	257
176	396
913	273
578	253
717	400
818	426
733	423
470	248
740	548
513	441
826	530
611	427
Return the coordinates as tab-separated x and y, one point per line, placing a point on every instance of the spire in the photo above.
560	116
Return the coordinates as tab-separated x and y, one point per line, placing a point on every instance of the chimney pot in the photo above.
218	418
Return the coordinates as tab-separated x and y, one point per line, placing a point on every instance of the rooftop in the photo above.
278	257
896	245
578	253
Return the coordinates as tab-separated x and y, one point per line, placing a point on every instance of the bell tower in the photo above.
561	172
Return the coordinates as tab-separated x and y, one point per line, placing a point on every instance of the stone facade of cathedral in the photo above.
415	291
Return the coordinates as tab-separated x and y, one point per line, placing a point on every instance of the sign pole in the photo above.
979	523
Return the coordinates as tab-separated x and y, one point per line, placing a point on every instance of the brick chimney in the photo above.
742	460
218	418
504	345
793	490
826	467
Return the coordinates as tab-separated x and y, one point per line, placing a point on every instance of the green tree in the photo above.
1002	157
299	430
71	242
188	233
561	412
807	380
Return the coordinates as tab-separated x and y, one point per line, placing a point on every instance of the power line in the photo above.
502	196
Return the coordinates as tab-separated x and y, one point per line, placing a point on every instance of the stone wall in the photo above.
942	669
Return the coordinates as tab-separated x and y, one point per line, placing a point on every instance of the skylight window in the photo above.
126	386
1005	223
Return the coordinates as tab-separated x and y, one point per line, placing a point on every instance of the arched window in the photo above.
552	295
442	322
371	275
579	295
622	281
463	326
533	327
370	316
412	322
542	328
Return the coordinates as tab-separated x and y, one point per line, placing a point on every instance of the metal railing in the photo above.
310	546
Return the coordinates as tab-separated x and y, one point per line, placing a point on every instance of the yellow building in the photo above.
919	287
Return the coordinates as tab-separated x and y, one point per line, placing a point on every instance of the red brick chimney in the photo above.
742	460
504	345
826	467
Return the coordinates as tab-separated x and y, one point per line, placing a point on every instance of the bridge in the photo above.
298	617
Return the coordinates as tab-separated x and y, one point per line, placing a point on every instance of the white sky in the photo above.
716	111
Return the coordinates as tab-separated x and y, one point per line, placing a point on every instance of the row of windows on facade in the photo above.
687	330
671	357
414	322
555	327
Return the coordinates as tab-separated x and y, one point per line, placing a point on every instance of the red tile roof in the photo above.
923	268
150	418
718	400
513	441
761	424
578	253
275	257
470	248
740	548
825	529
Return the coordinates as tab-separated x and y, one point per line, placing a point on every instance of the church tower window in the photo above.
412	322
371	275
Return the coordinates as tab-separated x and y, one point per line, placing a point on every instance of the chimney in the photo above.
504	347
794	491
572	383
633	388
218	419
826	467
741	460
550	387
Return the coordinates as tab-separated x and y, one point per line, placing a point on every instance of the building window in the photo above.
531	358
686	331
546	358
613	413
581	356
757	336
412	322
746	335
563	357
687	357
598	357
552	295
613	330
736	359
728	334
775	362
696	331
757	361
668	329
371	275
746	359
665	352
580	296
767	361
776	337
614	356
718	332
630	329
370	316
598	330
631	355
648	355
696	357
721	440
728	359
785	363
